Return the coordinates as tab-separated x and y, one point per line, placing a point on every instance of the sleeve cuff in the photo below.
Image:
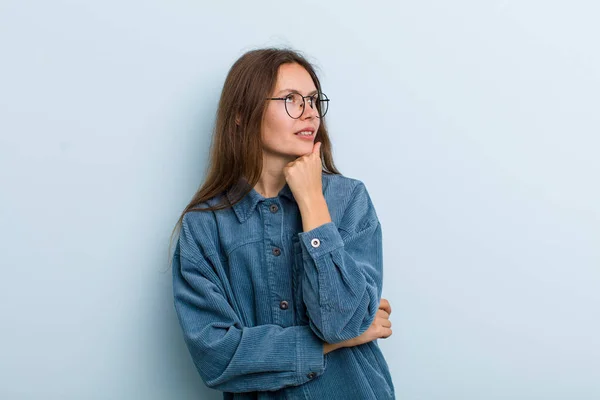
311	360
321	240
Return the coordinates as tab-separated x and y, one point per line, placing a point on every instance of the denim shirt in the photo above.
256	297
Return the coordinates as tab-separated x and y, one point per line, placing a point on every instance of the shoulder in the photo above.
199	232
341	183
343	190
350	202
199	218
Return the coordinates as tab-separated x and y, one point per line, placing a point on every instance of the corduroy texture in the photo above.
256	297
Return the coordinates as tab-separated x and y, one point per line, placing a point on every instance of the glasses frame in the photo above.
303	103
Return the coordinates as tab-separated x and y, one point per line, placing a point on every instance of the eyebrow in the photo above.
296	91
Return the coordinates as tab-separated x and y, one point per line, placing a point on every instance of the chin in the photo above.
292	152
303	150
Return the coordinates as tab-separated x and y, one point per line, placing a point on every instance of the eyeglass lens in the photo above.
294	104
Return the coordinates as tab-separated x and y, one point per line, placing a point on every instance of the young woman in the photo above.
277	271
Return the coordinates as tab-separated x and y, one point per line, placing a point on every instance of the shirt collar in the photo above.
244	208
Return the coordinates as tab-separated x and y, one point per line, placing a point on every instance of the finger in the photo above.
385	305
383	324
383	314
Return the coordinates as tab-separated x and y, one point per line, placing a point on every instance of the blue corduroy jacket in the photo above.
257	297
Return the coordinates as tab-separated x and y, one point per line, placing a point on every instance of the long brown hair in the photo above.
236	148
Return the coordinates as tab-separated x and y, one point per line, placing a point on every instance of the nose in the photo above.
309	111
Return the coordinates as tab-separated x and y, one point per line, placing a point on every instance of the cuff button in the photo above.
311	375
315	243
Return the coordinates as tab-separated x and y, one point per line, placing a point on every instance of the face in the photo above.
279	130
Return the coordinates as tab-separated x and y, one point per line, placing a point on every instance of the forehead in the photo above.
294	76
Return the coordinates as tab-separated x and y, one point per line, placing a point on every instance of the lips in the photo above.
307	129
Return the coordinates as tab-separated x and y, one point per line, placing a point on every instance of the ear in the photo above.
238	118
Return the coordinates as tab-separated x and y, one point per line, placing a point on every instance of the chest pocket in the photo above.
298	268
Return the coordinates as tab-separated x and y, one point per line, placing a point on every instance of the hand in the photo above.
380	328
303	175
385	305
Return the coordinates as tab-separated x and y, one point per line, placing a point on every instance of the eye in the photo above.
292	98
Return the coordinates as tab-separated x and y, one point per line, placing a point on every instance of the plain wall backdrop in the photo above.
474	126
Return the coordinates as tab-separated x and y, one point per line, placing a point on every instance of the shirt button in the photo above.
274	208
276	251
283	305
315	243
311	375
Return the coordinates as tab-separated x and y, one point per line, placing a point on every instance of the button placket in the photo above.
282	276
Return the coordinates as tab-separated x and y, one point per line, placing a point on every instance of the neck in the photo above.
272	178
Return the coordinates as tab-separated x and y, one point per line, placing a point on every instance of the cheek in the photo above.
275	125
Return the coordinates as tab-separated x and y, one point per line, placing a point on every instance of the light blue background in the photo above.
474	125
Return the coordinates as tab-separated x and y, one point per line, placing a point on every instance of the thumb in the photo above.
317	148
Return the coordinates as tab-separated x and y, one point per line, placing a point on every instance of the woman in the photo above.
277	272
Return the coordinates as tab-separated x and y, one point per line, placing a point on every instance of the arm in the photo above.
343	270
229	356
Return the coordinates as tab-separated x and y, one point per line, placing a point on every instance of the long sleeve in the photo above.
229	356
343	271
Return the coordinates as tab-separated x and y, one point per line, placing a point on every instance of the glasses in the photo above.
295	104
